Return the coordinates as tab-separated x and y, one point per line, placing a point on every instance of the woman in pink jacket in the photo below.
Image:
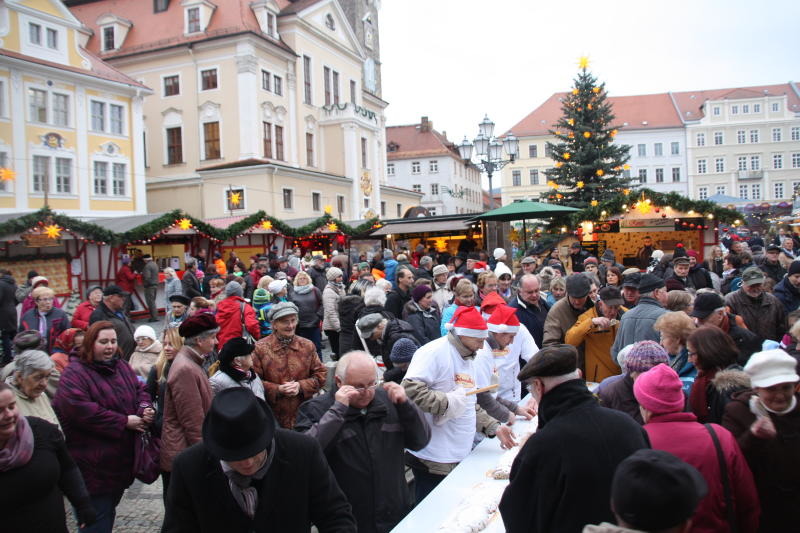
659	392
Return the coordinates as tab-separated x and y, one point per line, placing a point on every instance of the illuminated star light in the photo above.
53	231
185	223
583	62
266	224
6	174
236	197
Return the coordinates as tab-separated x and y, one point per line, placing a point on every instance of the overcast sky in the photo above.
455	60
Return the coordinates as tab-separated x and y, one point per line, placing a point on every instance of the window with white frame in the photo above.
658	149
118	175
700	139
174	145
756	190
98	111
432	211
516	178
777	161
399	210
777	190
754	136
288	198
340	205
745	108
642	150
755	162
433	166
534	176
795	133
35	33
41	173
37	105
108	38
390	169
715	111
675	148
265	80
796	160
101	178
277	85
434	189
734	110
702	193
533	151
383	208
718	138
776	106
116	119
744	192
316	201
777	133
235	199
741	136
208	79
415	167
416	187
659	175
211	141
63	175
107	117
172	85
193	20
702	166
642	175
719	164
722	189
676	174
741	162
60	109
756	108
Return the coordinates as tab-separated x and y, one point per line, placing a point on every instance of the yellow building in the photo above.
70	125
265	104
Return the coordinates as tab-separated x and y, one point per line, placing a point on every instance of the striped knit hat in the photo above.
468	322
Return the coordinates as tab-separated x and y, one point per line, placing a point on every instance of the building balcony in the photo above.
744	175
348	112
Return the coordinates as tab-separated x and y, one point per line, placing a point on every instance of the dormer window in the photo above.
108	38
392	147
113	30
266	12
193	20
160	5
329	22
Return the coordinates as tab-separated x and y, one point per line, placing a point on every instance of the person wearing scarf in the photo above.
65	343
422	315
236	368
36	473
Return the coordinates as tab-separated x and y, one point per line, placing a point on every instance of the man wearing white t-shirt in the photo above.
438	378
498	362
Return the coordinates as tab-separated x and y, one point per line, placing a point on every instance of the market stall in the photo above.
445	233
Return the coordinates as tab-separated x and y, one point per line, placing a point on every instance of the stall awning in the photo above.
423	226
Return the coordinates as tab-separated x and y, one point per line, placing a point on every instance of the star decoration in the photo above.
328	209
236	198
583	62
587	134
575	92
580	185
567	155
595	90
332	226
6	174
613	133
266	224
594	203
599	172
558	164
626	166
184	223
571	122
552	184
626	191
52	231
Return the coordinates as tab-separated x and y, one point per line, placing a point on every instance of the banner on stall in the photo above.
647	224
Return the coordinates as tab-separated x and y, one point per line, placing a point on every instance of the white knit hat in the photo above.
498	253
277	286
144	331
771	367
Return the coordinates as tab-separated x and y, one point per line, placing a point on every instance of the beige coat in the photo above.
142	361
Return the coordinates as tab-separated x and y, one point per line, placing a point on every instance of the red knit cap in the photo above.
468	322
503	320
659	390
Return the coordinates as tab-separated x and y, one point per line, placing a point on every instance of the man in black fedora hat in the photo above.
250	475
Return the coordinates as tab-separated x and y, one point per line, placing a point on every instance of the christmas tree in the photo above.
588	165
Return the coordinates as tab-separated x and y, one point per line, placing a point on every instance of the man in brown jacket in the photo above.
188	393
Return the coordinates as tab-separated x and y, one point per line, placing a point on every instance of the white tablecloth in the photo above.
434	510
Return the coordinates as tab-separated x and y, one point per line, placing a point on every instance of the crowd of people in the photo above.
674	380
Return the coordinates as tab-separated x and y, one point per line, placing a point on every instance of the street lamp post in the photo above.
489	151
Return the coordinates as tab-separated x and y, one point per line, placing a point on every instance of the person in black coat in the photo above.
561	479
8	313
397	298
531	308
111	309
189	282
363	432
425	319
788	289
380	334
349	308
243	449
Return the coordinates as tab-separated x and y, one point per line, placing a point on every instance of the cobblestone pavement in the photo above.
141	510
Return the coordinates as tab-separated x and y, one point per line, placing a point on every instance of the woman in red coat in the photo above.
80	319
232	312
659	392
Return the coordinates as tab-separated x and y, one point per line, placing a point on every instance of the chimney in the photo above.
425	125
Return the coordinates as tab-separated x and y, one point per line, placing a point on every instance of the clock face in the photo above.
369	74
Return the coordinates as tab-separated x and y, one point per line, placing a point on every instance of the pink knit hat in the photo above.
659	390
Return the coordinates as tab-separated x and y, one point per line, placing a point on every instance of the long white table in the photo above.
429	514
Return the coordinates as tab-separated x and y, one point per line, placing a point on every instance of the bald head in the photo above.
529	289
354	366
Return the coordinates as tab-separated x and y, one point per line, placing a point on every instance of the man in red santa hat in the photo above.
437	380
499	362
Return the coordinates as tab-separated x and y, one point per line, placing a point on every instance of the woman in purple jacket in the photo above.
102	407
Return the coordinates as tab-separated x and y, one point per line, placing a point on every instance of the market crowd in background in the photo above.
280	391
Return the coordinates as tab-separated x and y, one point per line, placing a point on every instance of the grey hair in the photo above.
359	287
384	284
194	340
425	259
344	363
169	270
189	263
375	296
30	361
551	382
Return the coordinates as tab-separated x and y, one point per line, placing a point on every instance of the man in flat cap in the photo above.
637	324
581	293
561	478
188	393
679	280
762	312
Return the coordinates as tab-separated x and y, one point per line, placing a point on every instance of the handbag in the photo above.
730	512
147	450
246	334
